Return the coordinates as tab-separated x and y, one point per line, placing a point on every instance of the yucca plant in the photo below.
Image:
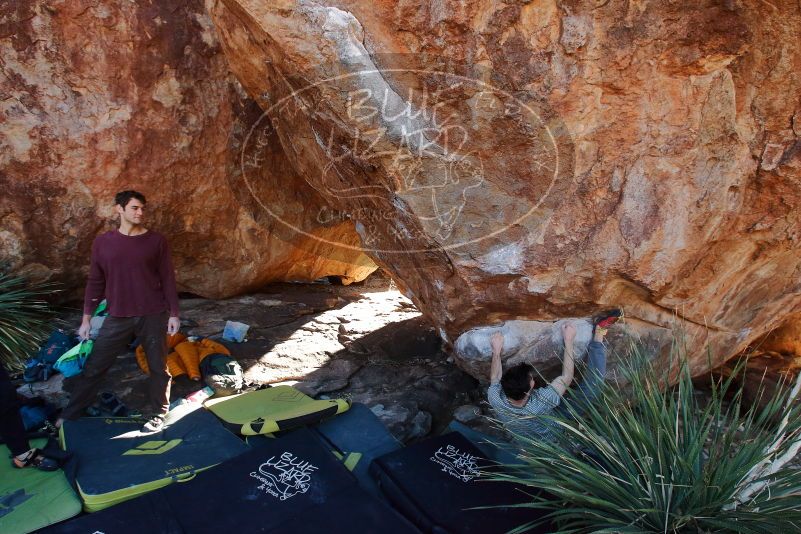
651	458
24	317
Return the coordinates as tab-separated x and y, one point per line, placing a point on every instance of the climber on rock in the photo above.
519	396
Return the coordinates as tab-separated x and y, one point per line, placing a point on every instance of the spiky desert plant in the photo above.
24	317
668	459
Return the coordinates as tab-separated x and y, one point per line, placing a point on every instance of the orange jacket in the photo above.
186	355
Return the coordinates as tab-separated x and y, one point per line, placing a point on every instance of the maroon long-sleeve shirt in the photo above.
134	274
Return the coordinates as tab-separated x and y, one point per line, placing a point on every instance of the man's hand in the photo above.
496	341
568	332
86	326
173	325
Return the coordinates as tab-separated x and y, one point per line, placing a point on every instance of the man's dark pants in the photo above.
112	340
11	429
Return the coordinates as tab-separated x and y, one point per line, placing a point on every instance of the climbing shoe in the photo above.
154	424
606	319
34	458
113	404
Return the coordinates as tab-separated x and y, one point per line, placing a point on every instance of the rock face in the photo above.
541	160
100	97
786	339
537	342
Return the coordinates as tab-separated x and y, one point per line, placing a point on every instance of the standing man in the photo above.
519	397
131	267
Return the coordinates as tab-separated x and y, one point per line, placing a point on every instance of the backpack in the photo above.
72	362
223	374
43	365
34	417
40	367
98	318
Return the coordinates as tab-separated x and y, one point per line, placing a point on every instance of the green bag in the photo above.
101	310
223	374
71	362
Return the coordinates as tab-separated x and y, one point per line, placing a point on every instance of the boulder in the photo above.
534	161
97	97
51	390
333	376
404	420
467	413
535	342
786	339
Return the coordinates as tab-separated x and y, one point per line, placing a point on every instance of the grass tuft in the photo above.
652	458
24	318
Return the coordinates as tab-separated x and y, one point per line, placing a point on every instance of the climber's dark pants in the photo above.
591	381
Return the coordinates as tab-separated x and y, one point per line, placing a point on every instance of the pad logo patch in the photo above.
116	420
10	501
461	465
284	476
153	447
290	395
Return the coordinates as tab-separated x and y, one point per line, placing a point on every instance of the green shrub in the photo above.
656	459
24	318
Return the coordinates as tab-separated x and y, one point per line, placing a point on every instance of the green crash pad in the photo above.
272	409
31	499
114	461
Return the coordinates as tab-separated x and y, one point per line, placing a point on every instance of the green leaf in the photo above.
653	458
25	316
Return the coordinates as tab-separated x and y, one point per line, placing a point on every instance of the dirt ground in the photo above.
365	342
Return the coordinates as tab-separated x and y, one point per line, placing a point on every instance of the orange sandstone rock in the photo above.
100	97
541	160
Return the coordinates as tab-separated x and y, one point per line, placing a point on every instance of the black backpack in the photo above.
40	367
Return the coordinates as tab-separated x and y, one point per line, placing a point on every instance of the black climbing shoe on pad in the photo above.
113	404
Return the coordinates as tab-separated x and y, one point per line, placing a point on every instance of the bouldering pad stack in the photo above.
145	514
31	499
437	484
289	484
113	461
270	410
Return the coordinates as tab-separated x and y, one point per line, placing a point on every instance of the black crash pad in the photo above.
292	483
136	516
359	437
114	461
437	481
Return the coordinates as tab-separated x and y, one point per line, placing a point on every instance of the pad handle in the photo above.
186	477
